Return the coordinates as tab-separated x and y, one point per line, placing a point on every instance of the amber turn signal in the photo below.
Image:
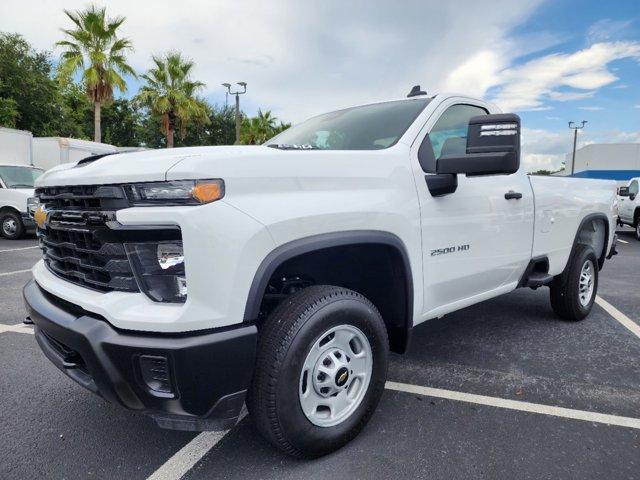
207	191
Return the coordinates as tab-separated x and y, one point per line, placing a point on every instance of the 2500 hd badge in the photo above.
444	251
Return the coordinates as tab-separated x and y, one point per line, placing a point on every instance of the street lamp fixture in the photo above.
573	126
237	94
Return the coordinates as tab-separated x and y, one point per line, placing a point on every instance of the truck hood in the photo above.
226	162
143	166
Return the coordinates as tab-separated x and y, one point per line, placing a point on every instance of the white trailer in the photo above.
49	152
15	147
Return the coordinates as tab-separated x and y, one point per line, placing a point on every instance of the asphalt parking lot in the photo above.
498	390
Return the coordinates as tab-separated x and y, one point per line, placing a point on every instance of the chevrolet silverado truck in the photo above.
629	205
186	283
16	188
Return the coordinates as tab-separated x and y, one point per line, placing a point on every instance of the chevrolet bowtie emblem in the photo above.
40	216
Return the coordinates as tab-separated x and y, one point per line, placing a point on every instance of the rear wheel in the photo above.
573	292
320	370
11	225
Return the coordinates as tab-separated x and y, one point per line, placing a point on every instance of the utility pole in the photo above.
575	129
237	94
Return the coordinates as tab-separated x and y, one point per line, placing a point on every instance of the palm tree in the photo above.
171	94
95	49
259	129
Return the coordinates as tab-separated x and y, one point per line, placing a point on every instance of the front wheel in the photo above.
573	293
11	225
637	227
320	370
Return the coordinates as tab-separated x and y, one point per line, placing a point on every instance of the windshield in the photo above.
370	127
19	177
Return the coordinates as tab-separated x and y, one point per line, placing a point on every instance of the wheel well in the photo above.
7	209
378	271
594	232
636	215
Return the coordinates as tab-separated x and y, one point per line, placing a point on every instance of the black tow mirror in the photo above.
493	147
624	192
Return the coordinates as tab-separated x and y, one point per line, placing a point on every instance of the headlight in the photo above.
159	270
32	205
180	192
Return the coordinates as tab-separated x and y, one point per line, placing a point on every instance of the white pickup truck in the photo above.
629	205
183	283
16	187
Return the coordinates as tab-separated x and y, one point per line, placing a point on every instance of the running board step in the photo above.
539	279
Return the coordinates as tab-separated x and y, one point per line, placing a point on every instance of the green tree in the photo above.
170	94
76	118
121	123
94	48
257	130
29	96
8	112
220	130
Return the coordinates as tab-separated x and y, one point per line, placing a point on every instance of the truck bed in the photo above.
561	205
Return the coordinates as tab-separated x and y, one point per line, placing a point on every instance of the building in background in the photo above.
611	161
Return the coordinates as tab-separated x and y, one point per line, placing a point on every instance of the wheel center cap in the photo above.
342	376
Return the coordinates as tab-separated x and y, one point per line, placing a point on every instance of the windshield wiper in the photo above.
287	146
21	185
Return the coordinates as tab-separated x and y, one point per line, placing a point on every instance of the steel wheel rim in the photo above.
335	375
585	286
9	226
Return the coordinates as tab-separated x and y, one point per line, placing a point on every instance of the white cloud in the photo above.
301	58
607	29
591	109
561	76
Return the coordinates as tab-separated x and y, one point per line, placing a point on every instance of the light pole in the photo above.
575	129
237	94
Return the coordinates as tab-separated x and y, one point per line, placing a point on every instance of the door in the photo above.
476	243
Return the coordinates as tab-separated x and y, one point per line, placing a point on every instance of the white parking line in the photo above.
18	328
622	241
619	316
16	249
517	405
185	458
4	274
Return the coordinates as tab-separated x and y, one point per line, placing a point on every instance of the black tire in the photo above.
565	289
285	340
11	226
636	227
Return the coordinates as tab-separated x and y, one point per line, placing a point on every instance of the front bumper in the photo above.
208	373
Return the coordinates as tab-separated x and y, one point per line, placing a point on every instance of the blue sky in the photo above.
550	61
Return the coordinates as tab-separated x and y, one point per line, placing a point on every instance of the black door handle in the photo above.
513	195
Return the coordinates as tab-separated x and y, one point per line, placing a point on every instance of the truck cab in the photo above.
629	205
16	187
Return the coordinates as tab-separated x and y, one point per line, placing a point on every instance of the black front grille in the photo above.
84	197
77	244
82	242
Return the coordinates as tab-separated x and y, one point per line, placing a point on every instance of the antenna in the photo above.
415	91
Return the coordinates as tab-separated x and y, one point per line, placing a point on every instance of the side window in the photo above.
633	188
449	134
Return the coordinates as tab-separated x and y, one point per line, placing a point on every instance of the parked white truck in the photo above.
16	187
630	205
182	283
